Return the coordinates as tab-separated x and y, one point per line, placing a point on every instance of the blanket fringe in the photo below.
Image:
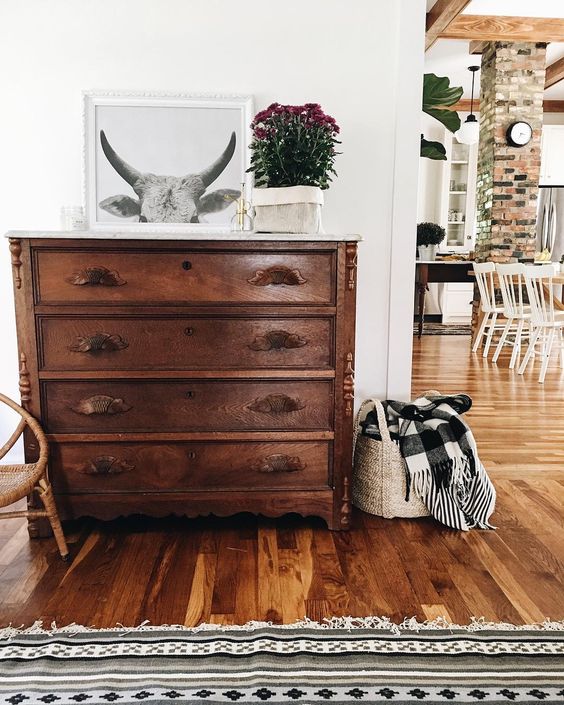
409	624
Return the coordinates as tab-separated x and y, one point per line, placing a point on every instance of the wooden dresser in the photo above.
189	375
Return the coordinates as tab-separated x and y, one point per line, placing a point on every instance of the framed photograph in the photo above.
164	162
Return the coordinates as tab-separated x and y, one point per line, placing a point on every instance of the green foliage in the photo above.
438	94
430	234
293	146
432	150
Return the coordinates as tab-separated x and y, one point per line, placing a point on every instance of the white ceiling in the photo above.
450	57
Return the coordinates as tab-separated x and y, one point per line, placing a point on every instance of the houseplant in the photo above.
429	235
293	154
438	96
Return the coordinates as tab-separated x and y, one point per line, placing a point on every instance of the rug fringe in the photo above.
476	624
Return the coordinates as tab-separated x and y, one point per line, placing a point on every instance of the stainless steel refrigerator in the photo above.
550	221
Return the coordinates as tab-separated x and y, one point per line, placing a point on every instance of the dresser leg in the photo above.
342	509
338	525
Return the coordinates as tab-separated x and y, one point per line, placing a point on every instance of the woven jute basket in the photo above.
379	478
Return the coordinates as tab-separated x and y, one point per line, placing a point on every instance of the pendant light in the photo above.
469	131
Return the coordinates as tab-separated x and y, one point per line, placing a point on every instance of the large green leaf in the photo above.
438	92
449	118
432	150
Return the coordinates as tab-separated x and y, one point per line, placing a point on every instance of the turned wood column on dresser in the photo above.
189	374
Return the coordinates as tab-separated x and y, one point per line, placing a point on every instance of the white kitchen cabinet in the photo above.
552	156
458	195
456	303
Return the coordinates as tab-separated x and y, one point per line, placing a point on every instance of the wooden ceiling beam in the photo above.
549	106
554	73
553	106
440	16
463	105
476	47
491	28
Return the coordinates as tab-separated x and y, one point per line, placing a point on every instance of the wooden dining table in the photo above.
438	272
557	280
443	271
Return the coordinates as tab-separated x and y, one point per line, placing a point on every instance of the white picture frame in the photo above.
147	157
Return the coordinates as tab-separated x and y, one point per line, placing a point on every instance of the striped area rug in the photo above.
343	661
444	329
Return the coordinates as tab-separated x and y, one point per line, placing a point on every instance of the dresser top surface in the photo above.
196	236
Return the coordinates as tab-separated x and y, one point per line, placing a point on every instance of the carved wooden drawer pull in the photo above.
105	465
279	463
276	404
277	275
102	405
97	342
276	340
93	276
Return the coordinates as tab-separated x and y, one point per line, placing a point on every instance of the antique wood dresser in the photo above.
194	375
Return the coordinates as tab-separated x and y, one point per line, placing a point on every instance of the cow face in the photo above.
168	199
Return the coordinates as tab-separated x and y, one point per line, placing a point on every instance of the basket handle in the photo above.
382	422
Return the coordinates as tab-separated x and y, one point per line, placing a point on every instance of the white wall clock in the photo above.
519	133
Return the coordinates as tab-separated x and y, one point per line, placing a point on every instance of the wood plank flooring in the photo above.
234	570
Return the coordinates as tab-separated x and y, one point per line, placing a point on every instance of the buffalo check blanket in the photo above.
443	467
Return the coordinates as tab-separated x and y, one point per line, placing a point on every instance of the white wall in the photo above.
553	119
349	56
430	175
429	199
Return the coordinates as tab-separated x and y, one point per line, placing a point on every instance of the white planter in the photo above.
427	252
291	209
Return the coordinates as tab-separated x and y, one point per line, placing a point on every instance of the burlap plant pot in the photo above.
292	209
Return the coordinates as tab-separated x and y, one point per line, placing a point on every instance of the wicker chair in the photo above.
18	481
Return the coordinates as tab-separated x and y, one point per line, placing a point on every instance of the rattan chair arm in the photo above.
13	438
33	424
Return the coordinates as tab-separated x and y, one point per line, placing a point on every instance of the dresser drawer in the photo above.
185	343
186	405
158	467
77	277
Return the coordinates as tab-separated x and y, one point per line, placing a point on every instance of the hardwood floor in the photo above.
239	569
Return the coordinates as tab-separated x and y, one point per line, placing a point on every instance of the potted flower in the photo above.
293	153
429	235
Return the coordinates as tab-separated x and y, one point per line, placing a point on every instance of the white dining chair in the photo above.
484	272
546	320
511	279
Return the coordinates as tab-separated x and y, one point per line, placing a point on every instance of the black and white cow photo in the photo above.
162	163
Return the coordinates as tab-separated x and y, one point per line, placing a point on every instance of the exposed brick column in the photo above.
512	87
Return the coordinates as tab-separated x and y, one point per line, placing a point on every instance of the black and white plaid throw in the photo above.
443	467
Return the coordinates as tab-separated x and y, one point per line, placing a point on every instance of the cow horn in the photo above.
126	172
210	174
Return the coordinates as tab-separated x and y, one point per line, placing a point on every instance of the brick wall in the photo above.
512	87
